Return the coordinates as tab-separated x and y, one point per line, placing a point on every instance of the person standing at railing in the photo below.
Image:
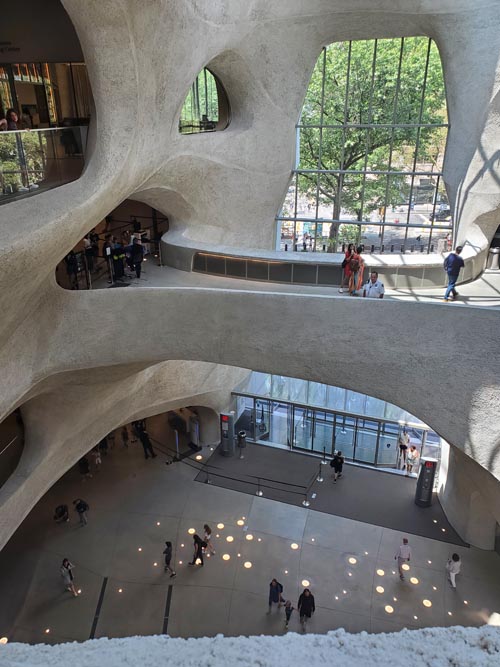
12	119
137	256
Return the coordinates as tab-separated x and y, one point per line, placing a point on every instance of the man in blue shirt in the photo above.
452	265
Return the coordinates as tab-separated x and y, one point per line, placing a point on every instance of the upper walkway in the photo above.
485	291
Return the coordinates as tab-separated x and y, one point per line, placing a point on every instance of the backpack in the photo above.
354	264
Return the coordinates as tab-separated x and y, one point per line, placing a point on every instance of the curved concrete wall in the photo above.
225	188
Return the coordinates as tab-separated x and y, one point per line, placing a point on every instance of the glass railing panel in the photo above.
33	161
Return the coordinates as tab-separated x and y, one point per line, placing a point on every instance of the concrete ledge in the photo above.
413	271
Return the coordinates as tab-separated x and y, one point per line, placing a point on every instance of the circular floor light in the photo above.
47	630
220	526
191	531
229	538
352	560
3	640
305	583
247	564
120	590
226	557
158	523
414	580
240	522
380	572
427	603
405	567
249	537
380	589
294	546
389	609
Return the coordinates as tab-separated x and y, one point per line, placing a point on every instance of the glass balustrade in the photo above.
32	161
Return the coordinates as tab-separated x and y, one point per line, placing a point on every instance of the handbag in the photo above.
344	263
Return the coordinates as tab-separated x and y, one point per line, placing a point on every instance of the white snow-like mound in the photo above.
433	647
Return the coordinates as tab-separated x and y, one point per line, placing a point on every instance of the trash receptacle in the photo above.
242	439
493	257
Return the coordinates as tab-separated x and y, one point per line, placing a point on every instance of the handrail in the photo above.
10	443
40	129
253	479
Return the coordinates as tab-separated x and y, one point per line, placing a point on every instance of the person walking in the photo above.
346	267
199	545
66	571
275	594
453	567
124	433
81	508
167	552
337	463
452	265
306	607
288	612
403	556
140	431
208	539
411	459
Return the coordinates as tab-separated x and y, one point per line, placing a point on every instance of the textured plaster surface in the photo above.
66	356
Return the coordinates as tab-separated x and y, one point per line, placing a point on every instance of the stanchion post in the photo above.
319	478
324	461
259	491
305	502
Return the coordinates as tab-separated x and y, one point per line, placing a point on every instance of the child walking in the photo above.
288	612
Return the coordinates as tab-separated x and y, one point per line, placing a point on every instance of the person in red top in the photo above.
357	265
346	270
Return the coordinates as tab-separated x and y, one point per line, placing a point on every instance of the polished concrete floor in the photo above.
137	504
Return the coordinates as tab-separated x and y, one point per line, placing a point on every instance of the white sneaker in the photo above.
341	290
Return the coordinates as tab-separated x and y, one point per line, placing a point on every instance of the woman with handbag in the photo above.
357	265
346	267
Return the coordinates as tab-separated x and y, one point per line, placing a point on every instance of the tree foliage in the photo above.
366	82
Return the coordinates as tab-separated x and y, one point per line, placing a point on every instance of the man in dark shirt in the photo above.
452	265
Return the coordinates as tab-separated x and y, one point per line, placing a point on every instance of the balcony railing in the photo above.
32	161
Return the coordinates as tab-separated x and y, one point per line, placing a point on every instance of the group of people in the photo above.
353	266
61	513
403	556
305	605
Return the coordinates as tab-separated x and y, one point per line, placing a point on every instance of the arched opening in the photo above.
11	444
370	148
206	107
106	256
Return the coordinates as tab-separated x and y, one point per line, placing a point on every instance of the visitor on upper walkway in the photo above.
346	267
306	607
12	119
357	265
403	556
275	594
452	265
374	288
137	256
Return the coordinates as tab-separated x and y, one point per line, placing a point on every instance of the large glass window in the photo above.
371	141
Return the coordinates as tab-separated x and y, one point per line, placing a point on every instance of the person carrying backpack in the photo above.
81	508
452	265
337	463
